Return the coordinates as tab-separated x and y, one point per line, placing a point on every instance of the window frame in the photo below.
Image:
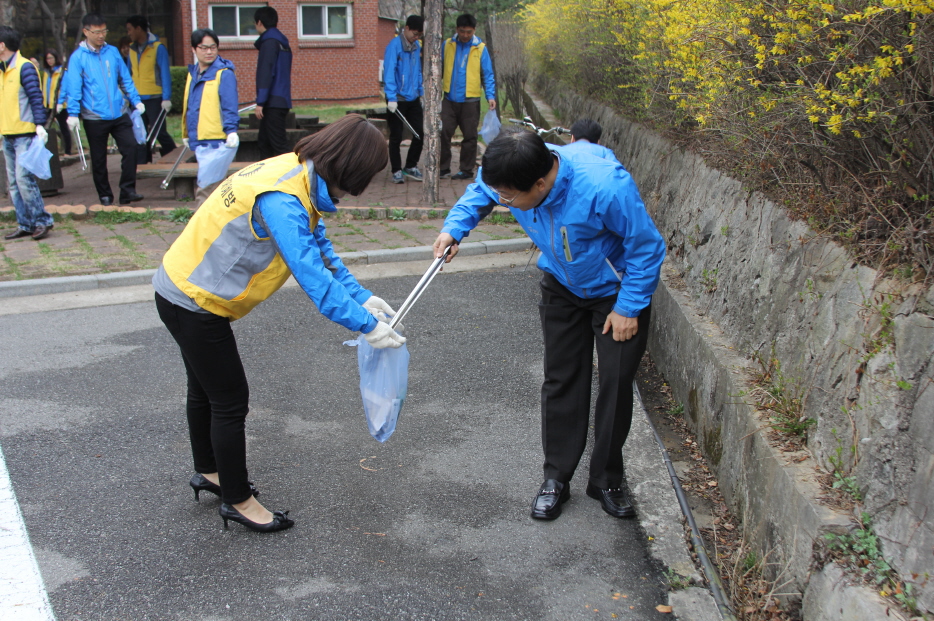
238	7
326	37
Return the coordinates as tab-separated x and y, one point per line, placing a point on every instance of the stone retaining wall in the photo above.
857	347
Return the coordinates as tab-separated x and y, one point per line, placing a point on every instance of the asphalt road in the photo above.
433	524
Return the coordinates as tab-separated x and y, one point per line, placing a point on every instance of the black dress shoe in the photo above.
460	176
547	503
280	520
17	234
612	500
41	232
130	198
107	201
200	483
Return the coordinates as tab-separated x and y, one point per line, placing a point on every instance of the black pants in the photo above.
166	143
570	326
122	131
465	115
272	139
62	118
218	395
412	111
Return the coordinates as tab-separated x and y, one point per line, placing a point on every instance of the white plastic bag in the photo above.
36	159
490	128
139	128
384	382
213	163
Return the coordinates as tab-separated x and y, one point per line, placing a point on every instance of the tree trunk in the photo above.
488	31
431	54
7	12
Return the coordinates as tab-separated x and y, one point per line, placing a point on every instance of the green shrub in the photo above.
179	75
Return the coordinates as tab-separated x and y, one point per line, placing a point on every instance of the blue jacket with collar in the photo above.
227	116
458	92
402	71
273	70
593	231
585	146
95	84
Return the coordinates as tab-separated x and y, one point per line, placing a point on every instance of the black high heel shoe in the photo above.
201	484
280	520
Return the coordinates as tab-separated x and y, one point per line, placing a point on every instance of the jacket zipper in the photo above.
110	103
567	246
555	252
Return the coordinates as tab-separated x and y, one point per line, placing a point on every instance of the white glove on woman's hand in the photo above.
141	108
233	140
383	336
42	134
393	106
72	123
166	105
378	304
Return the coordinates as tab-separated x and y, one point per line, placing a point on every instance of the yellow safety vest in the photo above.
210	124
474	88
219	261
15	112
143	67
49	85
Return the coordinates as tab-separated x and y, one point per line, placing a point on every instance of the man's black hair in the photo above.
267	15
588	129
466	20
93	19
516	159
416	23
10	38
198	36
138	21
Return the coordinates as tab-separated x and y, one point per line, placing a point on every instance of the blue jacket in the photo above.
163	71
585	146
273	70
96	82
593	231
459	76
311	257
402	71
227	90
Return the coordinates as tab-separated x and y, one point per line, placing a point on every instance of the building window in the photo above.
234	20
332	21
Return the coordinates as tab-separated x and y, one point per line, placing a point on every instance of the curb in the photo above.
66	284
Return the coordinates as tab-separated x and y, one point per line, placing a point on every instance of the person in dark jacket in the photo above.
273	83
22	117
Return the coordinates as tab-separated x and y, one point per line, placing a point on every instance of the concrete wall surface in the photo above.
742	279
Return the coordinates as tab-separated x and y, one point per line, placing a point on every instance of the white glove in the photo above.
42	134
59	108
383	336
166	105
72	123
185	143
378	304
141	108
233	140
393	106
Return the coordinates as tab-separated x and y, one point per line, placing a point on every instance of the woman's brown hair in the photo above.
347	153
56	54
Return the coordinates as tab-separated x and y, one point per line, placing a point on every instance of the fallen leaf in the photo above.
711	483
663	608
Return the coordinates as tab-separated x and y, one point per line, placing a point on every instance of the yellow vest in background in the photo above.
210	124
219	261
143	67
474	88
49	87
15	111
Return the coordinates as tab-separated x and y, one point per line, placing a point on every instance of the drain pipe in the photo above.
713	579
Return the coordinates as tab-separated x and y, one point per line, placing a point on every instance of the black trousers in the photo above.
122	131
166	143
412	111
570	326
465	115
218	395
62	118
272	139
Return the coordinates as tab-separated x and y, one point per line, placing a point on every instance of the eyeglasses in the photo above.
506	201
207	48
97	32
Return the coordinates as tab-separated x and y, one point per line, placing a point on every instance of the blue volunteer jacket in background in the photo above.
206	122
273	70
458	92
593	231
585	146
95	83
402	71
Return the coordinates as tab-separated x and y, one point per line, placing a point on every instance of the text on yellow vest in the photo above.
473	87
15	112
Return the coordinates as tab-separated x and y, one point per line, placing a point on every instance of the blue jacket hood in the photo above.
218	64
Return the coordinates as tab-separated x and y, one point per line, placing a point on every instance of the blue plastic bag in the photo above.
36	159
384	381
490	128
139	129
213	163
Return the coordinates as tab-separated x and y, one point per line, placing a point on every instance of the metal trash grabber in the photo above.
156	127
247	109
419	288
414	133
84	160
165	184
